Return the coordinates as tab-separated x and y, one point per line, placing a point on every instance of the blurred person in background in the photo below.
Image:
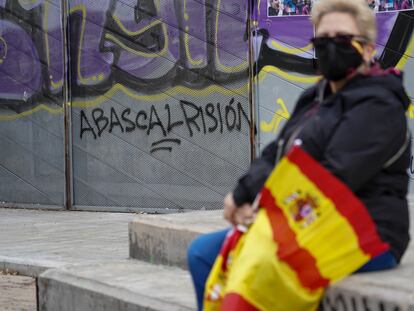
274	7
406	5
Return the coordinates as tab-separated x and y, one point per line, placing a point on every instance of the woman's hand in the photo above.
242	215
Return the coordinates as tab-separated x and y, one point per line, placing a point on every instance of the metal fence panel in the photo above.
31	89
160	109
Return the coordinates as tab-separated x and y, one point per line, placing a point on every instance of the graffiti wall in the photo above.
31	101
285	63
155	94
159	110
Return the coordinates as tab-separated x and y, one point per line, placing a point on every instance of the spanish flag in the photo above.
310	231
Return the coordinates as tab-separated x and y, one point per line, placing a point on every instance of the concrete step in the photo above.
163	239
128	285
132	285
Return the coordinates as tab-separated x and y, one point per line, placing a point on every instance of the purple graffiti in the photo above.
20	70
233	54
146	45
158	55
385	24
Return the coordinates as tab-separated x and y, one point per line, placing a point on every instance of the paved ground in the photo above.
31	241
17	293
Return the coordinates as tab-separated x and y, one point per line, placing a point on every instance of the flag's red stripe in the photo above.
289	251
345	202
229	244
235	302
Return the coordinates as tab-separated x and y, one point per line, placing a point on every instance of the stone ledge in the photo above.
163	239
380	291
122	286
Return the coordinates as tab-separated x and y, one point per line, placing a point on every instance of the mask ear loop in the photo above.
358	47
373	58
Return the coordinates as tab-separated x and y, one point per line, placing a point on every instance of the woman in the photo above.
353	122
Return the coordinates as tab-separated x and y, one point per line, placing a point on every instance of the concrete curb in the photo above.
122	286
158	245
24	266
164	239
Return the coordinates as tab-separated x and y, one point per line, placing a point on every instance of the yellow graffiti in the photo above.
12	117
281	114
59	84
410	49
81	8
135	52
137	32
178	90
287	76
291	50
227	69
187	50
186	17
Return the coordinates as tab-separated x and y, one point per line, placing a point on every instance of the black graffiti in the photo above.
204	120
156	145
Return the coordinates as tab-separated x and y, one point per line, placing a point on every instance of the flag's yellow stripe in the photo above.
264	281
334	245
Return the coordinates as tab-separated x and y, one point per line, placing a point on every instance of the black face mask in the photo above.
336	59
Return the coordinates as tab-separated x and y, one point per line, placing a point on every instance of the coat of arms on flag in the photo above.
310	231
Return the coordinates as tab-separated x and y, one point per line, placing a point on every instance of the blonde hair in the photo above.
358	9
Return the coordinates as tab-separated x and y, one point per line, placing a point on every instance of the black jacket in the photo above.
359	134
